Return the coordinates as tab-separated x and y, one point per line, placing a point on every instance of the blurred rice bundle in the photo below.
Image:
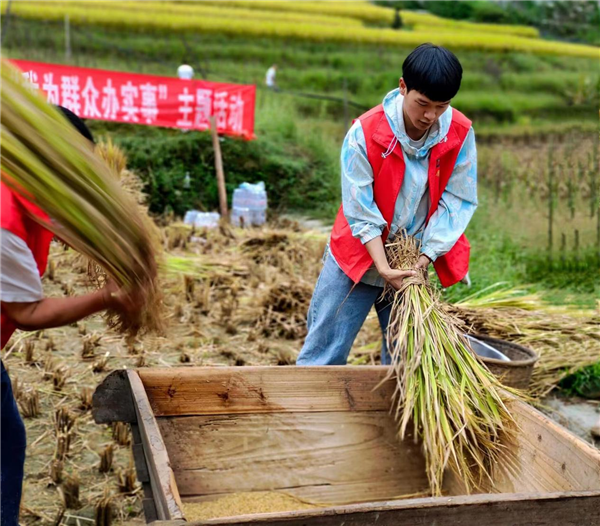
48	162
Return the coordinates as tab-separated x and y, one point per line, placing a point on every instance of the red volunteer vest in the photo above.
17	217
388	174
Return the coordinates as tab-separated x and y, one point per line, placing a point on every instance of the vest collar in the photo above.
384	136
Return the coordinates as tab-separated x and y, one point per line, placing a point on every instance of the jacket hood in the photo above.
392	107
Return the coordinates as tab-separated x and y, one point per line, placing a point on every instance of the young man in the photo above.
24	248
407	164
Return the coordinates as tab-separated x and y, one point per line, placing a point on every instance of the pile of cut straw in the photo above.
567	339
455	405
45	159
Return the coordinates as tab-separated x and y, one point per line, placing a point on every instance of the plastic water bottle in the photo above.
190	216
250	203
240	209
202	219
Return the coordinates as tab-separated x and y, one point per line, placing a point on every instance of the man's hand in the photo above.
396	277
423	262
127	301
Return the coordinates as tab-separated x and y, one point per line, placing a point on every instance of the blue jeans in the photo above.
12	454
337	311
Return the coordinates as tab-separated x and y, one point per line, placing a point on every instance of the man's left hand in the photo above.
423	262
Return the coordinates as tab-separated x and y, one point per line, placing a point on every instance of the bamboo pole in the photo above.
219	169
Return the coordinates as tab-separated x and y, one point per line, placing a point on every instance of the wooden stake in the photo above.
67	38
219	169
550	202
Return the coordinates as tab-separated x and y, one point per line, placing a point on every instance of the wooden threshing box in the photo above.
325	435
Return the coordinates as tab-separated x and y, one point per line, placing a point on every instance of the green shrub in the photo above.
300	169
585	382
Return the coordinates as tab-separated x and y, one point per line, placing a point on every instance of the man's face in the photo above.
421	111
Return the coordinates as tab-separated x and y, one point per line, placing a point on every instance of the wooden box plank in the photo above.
325	434
324	457
164	488
233	390
548	457
550	509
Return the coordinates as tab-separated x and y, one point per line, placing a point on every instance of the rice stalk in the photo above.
69	492
85	398
103	511
126	479
59	378
29	404
106	459
28	351
112	155
56	471
455	406
47	161
120	433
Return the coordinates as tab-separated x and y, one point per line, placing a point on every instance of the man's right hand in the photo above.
123	300
396	277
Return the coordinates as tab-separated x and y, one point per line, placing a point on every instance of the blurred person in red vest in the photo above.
24	249
409	164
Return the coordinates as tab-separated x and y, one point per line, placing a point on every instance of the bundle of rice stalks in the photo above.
284	307
278	249
456	406
47	161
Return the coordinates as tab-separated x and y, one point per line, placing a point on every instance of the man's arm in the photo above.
457	204
55	312
358	201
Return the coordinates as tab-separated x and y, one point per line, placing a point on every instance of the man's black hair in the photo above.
433	71
77	122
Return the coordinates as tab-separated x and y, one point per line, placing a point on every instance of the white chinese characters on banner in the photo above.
186	108
110	101
69	87
149	105
142	99
32	79
220	107
203	108
90	97
236	113
163	92
51	89
129	93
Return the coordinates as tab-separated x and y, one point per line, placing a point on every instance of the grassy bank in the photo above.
516	100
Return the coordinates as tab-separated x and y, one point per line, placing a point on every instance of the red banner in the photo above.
145	99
